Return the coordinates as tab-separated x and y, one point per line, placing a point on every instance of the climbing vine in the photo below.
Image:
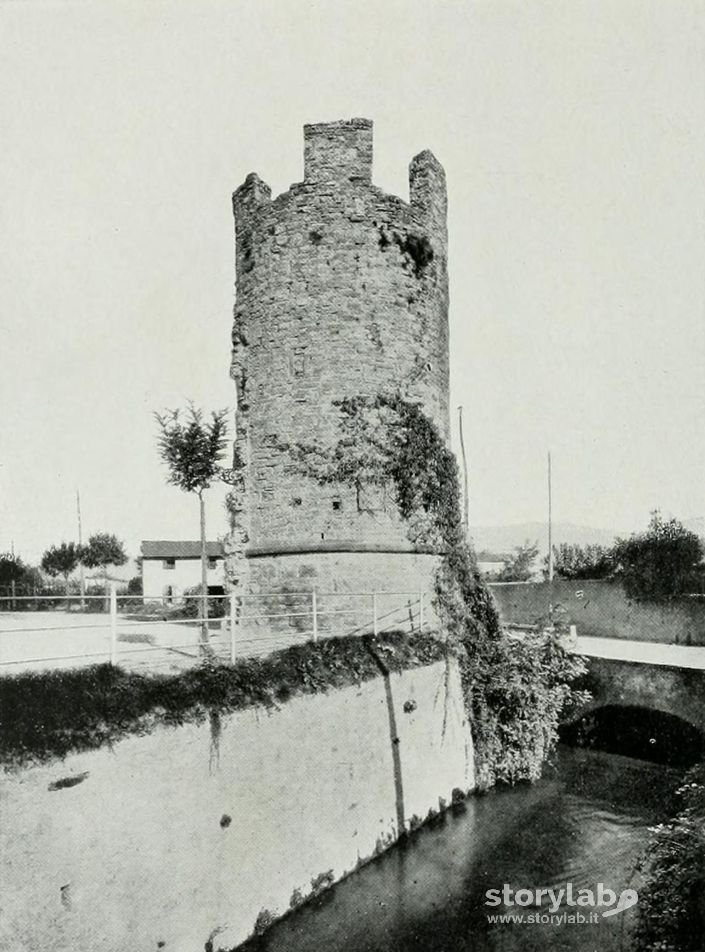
515	690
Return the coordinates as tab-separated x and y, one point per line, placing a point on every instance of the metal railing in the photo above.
139	631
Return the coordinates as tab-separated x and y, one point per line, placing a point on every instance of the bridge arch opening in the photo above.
637	732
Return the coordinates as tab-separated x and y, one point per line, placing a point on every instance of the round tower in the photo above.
341	290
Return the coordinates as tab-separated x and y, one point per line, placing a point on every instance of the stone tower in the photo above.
341	290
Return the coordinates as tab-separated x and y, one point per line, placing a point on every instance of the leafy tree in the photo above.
660	563
520	566
582	562
103	549
61	560
13	569
192	449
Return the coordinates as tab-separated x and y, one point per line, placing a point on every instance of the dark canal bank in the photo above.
585	823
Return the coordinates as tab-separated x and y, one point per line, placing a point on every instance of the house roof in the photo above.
177	549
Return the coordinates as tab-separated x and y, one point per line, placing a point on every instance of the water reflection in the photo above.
583	824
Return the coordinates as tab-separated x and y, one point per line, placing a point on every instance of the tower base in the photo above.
292	597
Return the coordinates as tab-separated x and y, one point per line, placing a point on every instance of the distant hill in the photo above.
502	539
507	538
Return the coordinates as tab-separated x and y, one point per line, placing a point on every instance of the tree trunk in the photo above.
66	592
82	581
204	576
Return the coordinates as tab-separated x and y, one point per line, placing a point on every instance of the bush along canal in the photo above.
559	865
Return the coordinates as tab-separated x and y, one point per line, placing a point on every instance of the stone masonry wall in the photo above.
343	582
341	290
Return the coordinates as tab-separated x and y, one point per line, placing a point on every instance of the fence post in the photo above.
12	587
421	611
233	625
375	625
314	609
113	623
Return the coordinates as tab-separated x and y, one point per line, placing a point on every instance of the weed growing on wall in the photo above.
49	714
515	689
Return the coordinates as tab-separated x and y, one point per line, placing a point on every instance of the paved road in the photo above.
643	652
58	640
39	641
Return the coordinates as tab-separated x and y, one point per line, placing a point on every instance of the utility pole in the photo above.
80	547
550	545
466	502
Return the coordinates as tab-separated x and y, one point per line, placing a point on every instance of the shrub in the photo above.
134	586
192	604
660	563
582	562
671	910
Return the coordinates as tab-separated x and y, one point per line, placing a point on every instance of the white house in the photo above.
169	568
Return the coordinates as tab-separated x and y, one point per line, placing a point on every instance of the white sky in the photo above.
573	137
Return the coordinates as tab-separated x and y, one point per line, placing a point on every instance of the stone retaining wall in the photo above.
195	833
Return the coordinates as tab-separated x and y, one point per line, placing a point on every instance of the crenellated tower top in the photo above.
341	154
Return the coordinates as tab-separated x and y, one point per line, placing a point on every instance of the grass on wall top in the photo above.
46	715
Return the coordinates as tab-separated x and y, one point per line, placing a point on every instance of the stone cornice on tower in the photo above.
341	154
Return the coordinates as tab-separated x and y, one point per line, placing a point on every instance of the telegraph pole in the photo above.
550	545
466	502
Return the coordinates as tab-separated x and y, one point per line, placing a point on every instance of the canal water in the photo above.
584	823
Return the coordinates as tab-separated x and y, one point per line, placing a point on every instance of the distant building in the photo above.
490	564
169	568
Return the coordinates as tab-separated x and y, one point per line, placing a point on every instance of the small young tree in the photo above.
662	562
520	566
192	449
103	549
61	560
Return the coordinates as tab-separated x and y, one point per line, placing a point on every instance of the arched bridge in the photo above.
669	679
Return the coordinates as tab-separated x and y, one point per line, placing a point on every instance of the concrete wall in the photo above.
342	290
603	610
166	838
